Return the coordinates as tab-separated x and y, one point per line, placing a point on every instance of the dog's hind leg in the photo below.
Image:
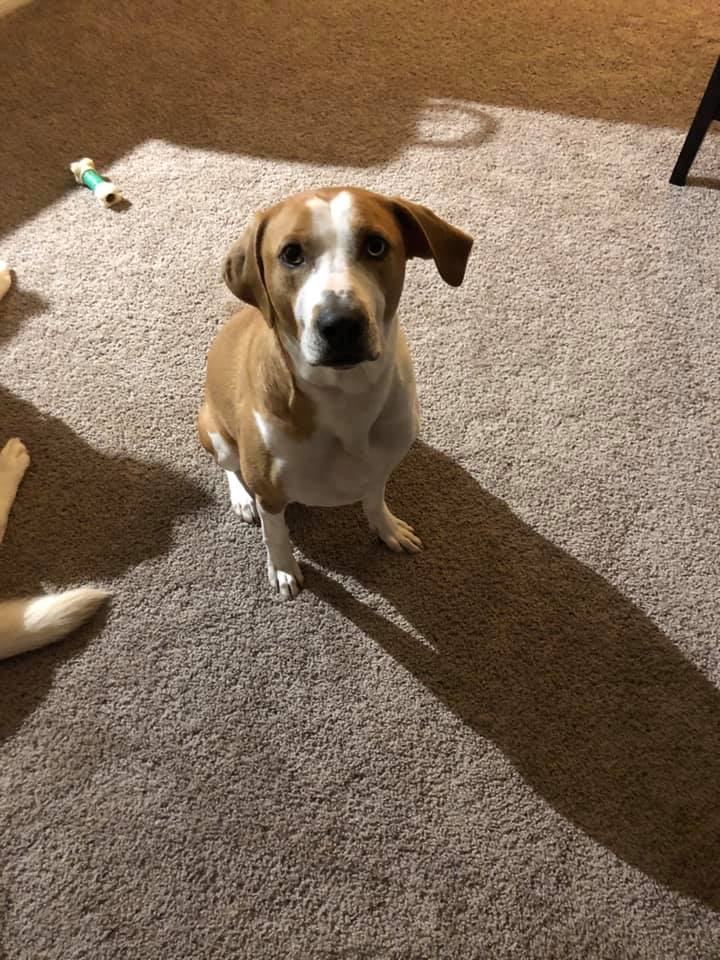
226	454
242	501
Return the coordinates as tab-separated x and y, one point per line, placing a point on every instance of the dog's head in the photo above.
326	269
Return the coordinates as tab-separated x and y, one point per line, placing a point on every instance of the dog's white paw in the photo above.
241	500
287	580
398	535
246	510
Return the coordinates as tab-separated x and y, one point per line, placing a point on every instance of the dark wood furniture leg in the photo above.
708	111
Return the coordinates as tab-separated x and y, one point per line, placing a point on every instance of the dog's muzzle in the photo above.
343	332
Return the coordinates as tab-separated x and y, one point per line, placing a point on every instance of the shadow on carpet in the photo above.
593	705
269	82
81	516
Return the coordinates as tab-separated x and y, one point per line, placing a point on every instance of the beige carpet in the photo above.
505	748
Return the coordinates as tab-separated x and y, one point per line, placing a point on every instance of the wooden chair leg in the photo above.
708	111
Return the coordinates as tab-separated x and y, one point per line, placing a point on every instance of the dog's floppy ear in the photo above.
244	271
429	237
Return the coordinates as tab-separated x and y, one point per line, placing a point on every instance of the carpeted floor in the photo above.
507	747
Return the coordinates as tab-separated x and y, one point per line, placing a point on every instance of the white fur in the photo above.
243	502
283	570
226	455
335	270
28	624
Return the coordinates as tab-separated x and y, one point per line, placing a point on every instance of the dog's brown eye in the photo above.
376	246
292	255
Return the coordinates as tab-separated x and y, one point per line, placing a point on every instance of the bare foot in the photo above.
14	461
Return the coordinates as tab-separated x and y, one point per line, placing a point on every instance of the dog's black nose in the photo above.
342	330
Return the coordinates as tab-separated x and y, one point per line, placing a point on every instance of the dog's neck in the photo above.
346	402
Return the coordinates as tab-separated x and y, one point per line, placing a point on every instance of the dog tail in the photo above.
37	621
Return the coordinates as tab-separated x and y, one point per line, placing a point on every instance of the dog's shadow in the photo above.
593	705
80	516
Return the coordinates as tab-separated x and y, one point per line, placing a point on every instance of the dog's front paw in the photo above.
246	510
286	579
397	534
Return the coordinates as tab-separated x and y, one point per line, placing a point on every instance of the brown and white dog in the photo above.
310	393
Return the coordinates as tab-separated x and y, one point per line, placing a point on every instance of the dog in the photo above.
34	622
310	393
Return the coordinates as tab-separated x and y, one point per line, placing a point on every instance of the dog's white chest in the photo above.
354	448
323	473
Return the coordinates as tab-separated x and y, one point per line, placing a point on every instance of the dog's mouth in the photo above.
347	362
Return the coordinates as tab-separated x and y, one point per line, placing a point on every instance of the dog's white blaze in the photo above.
332	229
356	280
334	270
341	216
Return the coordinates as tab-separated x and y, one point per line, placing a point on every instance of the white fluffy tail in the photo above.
37	621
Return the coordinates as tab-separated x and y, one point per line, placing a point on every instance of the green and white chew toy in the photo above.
105	191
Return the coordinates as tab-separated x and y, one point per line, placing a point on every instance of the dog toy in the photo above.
5	278
104	190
